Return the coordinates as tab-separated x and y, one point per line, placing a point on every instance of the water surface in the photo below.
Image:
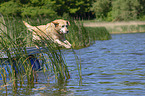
113	67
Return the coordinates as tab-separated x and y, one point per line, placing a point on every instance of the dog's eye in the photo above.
63	26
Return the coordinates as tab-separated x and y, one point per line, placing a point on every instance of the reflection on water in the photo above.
113	67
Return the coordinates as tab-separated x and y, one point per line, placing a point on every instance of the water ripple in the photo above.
112	68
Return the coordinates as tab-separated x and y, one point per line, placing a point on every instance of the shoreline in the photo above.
119	27
112	24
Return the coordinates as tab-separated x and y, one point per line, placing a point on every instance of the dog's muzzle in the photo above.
65	32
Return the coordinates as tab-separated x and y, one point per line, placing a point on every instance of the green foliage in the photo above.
10	8
141	9
79	6
117	9
125	9
109	16
37	11
101	8
31	8
1	1
40	7
104	10
142	18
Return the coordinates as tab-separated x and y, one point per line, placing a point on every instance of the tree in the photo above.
101	8
141	9
31	8
125	9
37	11
78	7
10	8
49	8
72	7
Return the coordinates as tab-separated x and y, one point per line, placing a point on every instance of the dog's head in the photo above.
61	26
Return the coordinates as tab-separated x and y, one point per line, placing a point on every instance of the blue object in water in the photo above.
6	65
34	62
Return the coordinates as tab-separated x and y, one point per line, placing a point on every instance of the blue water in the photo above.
113	67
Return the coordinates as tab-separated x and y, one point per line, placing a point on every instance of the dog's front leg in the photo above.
67	43
62	43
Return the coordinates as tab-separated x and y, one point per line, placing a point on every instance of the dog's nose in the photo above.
67	31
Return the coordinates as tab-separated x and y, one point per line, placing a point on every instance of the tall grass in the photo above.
98	33
81	36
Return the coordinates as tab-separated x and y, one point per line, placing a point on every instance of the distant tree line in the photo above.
106	10
118	10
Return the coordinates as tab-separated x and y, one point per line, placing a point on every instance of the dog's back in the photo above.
34	28
41	30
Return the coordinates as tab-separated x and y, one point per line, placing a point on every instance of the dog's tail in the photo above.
30	28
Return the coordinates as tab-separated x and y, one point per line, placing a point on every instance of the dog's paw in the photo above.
67	46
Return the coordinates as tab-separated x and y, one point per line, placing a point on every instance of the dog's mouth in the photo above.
63	32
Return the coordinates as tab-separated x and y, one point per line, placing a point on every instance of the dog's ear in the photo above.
68	23
55	23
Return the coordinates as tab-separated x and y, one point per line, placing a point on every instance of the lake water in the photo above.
113	67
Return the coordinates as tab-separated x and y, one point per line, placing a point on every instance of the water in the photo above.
113	67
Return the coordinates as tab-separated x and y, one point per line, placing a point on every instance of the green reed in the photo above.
81	36
9	45
98	33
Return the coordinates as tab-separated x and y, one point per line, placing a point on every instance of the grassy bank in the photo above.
126	29
118	27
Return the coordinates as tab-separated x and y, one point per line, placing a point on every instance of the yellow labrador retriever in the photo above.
55	30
